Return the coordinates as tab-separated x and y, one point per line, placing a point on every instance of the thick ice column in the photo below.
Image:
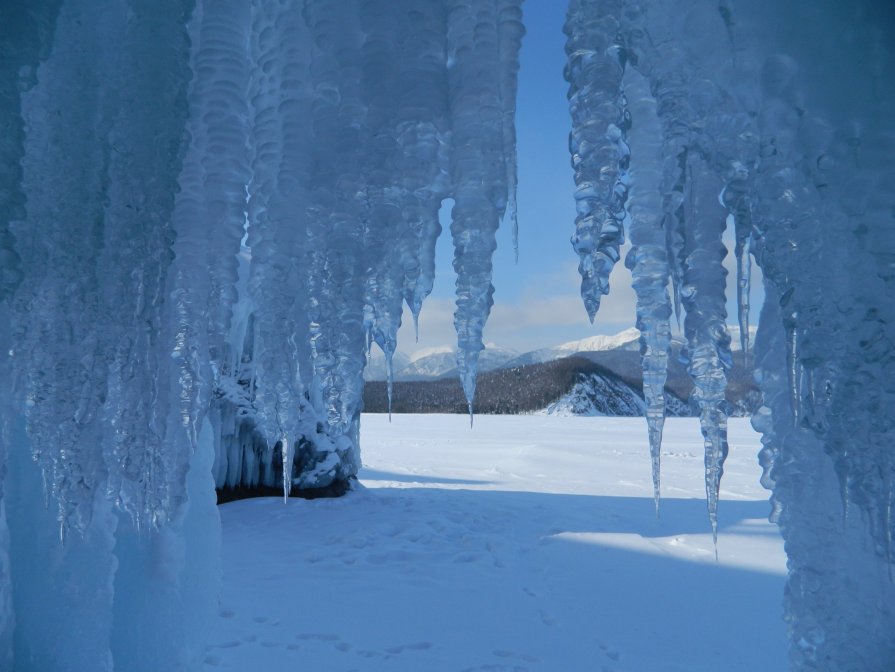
62	593
278	229
336	274
598	142
478	169
25	35
168	579
648	259
839	590
423	138
7	411
209	215
7	613
385	198
145	156
26	32
220	126
823	211
64	331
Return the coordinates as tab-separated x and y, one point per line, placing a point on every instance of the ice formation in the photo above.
209	212
773	118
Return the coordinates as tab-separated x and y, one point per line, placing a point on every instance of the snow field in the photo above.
528	543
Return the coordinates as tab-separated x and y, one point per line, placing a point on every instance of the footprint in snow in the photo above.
546	618
318	636
500	653
610	653
226	645
419	646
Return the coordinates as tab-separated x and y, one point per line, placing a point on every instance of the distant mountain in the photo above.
594	376
376	369
437	362
522	389
598	395
627	340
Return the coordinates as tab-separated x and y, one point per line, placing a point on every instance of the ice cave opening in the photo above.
152	353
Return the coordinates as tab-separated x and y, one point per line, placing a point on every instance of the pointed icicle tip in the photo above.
390	381
471	415
287	476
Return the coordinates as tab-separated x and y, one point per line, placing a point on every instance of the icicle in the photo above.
598	142
25	38
390	377
744	289
648	261
510	33
793	365
343	197
478	171
736	198
279	97
708	345
219	111
286	452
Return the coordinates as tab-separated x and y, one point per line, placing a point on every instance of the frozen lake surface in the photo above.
528	543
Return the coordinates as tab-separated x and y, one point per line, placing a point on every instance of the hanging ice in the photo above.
648	259
479	99
755	130
598	141
217	207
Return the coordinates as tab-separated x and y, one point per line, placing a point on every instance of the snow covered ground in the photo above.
528	543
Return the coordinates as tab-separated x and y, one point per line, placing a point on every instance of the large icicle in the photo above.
422	137
647	259
708	344
63	329
652	31
281	103
386	197
219	117
331	130
336	223
145	153
509	36
598	143
7	411
26	30
478	167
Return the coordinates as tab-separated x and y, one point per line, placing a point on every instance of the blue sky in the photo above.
536	302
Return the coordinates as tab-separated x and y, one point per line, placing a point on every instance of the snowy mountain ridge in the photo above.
437	361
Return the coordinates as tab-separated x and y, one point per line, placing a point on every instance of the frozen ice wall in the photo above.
362	118
210	211
775	119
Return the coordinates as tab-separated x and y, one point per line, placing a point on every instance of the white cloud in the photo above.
549	310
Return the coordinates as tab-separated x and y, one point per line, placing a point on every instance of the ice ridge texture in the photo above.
772	119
